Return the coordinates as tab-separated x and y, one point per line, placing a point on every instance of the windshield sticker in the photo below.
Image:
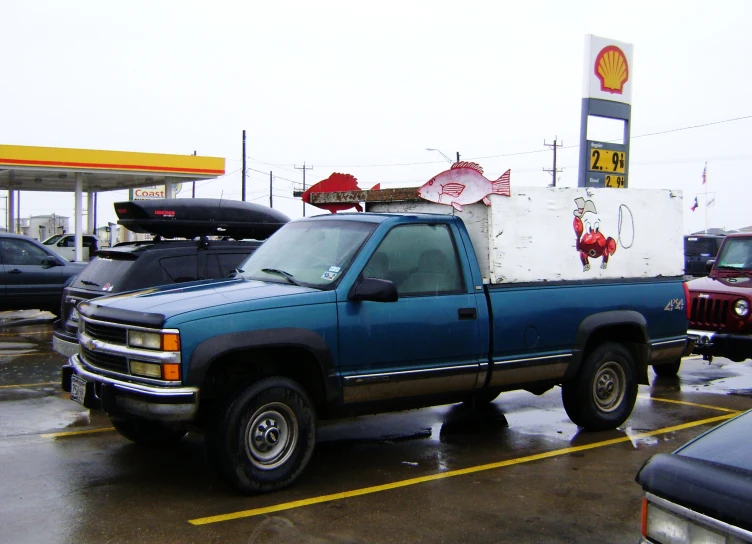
107	287
329	275
334	269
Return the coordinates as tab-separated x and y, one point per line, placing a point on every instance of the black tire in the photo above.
668	370
604	392
264	438
147	433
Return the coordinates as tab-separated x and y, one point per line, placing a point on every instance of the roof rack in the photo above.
196	217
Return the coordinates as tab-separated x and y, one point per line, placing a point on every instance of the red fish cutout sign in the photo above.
333	184
464	183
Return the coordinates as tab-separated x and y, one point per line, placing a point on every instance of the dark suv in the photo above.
132	266
721	304
698	250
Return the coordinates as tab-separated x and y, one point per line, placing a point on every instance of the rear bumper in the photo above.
736	347
118	397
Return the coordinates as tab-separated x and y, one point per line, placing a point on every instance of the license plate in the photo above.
78	389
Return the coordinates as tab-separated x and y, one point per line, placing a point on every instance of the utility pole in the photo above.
458	156
303	168
271	205
243	165
553	171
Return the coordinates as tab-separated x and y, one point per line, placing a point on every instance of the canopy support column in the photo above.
11	207
79	221
90	213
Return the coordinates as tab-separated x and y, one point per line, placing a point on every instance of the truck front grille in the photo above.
105	361
709	312
106	333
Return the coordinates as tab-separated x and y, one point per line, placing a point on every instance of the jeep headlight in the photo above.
154	340
741	307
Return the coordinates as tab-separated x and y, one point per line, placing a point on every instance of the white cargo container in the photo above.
532	237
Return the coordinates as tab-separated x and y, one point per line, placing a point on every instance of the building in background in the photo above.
42	227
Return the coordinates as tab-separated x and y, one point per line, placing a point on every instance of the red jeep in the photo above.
720	303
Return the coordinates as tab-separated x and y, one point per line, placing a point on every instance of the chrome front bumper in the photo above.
173	404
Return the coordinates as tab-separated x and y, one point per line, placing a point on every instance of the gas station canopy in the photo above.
25	168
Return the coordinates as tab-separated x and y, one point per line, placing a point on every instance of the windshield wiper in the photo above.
87	282
282	273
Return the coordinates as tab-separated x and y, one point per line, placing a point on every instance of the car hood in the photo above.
172	301
740	284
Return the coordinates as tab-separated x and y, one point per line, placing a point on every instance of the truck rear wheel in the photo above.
668	370
264	438
146	433
604	392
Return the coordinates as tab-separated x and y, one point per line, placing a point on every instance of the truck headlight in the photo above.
741	307
154	340
167	371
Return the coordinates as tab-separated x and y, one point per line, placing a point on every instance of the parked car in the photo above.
699	249
65	245
32	276
701	492
131	266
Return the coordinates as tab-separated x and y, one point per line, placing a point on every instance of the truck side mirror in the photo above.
709	264
375	290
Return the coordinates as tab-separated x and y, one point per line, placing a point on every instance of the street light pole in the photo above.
450	161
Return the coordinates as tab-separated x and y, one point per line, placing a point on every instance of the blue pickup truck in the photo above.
356	314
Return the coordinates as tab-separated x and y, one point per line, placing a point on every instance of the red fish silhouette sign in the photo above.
335	183
464	183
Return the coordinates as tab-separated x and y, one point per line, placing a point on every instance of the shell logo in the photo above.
612	69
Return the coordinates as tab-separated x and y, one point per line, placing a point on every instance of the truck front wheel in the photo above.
265	437
603	394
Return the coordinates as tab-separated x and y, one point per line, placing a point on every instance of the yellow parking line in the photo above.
24	334
449	474
76	433
686	403
5	354
28	385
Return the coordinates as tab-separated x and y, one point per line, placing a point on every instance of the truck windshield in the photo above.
736	253
310	253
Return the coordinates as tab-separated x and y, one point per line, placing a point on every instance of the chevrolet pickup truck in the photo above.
360	313
720	320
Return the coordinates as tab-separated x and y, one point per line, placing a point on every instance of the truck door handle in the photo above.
467	313
14	271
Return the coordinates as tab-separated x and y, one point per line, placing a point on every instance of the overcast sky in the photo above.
365	88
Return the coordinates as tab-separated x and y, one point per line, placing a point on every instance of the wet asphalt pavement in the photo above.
515	471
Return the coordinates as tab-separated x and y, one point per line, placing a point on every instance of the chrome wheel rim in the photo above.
608	386
271	435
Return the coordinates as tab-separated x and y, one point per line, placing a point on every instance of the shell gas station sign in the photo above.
608	70
607	93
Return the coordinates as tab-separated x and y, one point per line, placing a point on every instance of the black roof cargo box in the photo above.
192	217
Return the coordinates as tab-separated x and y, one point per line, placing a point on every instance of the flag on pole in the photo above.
694	206
705	174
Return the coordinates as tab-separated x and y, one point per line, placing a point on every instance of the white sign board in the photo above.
154	191
608	69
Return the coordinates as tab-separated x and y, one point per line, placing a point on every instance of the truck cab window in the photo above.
419	259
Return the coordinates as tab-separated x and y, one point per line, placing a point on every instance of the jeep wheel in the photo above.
265	436
603	394
146	433
668	370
